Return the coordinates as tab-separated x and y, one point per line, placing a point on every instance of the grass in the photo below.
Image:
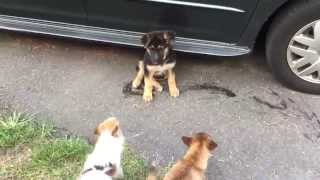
59	158
135	167
18	128
28	150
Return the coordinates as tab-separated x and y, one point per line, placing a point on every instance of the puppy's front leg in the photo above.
173	90
137	80
148	86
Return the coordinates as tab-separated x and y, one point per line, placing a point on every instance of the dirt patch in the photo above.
314	124
211	88
281	106
289	107
12	159
127	90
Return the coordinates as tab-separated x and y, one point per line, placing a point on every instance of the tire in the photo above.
292	20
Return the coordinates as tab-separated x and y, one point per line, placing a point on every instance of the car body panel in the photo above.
215	27
213	20
114	36
54	10
264	10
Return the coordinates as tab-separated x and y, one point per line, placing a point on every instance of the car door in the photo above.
215	20
71	11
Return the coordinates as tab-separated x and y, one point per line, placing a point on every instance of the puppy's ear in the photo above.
187	140
169	35
145	40
115	131
212	145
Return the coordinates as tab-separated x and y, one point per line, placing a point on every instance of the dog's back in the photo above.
194	163
184	170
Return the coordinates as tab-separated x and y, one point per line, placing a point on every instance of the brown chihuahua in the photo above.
194	163
159	60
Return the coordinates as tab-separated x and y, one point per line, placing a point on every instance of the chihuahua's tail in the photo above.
152	171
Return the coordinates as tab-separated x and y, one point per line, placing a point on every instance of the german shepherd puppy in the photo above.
159	60
194	163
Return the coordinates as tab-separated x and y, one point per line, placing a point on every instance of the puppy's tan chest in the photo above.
160	68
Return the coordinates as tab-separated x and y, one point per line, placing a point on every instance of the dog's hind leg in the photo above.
138	79
173	90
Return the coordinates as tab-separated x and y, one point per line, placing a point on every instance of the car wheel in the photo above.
293	46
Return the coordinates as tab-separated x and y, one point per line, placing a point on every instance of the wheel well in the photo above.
262	35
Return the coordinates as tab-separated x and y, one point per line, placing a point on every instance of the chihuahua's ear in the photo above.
97	131
145	40
169	35
115	131
212	145
187	140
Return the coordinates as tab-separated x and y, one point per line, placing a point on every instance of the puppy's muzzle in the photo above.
156	56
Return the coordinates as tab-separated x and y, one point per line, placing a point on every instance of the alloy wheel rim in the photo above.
303	54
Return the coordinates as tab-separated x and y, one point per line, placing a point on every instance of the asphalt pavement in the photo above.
264	131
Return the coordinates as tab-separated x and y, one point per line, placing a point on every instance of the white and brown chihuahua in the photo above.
104	162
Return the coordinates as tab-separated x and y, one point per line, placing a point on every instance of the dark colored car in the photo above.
217	27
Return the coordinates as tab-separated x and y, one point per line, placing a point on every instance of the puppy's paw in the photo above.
147	97
174	92
135	85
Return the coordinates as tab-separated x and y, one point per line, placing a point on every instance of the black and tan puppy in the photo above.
159	59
